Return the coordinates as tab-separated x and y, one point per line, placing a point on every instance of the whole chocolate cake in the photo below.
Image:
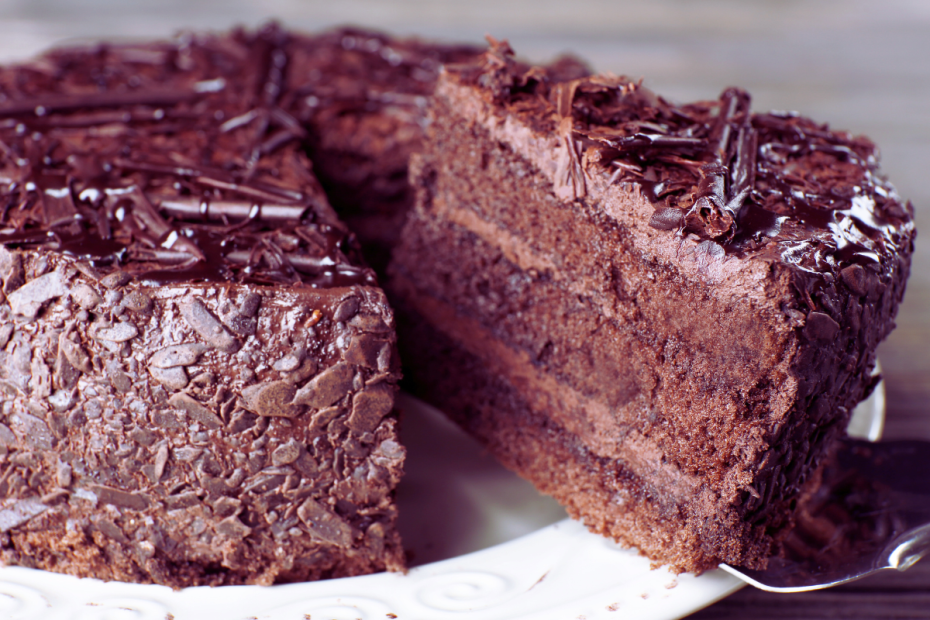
662	315
197	368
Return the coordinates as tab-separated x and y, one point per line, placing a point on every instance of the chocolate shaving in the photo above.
198	210
40	106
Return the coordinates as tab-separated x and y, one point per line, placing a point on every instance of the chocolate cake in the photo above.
197	367
660	314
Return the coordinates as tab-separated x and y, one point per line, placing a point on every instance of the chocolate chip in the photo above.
369	406
327	387
65	375
110	530
391	449
369	323
859	279
11	270
161	461
29	298
109	495
6	331
821	326
306	465
346	310
240	325
288	362
232	528
116	279
63	474
363	351
172	378
187	454
226	506
195	410
138	302
287	453
249	303
208	326
121	332
274	398
118	379
301	374
7	438
62	400
241	420
324	524
182	500
166	420
143	436
374	536
385	357
264	483
667	218
32	431
77	419
112	298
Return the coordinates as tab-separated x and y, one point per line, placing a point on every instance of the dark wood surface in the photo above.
862	66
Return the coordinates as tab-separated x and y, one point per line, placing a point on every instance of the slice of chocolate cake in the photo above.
197	369
661	315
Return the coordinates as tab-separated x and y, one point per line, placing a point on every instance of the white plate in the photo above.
485	546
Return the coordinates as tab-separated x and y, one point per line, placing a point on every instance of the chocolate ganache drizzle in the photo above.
775	185
170	161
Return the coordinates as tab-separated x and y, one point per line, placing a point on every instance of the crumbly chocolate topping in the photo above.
775	184
196	367
172	162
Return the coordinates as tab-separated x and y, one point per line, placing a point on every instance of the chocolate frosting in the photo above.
776	185
173	162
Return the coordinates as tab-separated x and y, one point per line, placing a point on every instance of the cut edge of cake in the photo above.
544	234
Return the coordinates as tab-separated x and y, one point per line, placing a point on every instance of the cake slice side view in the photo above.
661	315
197	368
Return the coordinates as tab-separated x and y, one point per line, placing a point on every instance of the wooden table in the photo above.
863	66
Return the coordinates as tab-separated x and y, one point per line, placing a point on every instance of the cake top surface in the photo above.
774	185
173	161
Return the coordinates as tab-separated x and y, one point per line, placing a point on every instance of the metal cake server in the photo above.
871	513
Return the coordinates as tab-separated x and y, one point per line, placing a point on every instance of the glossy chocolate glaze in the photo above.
173	162
775	185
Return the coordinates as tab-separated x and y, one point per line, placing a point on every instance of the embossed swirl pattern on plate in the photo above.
123	609
334	608
19	601
465	590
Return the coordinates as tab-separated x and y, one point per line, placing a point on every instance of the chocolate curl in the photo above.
734	102
496	75
149	219
301	262
57	204
712	214
166	257
216	179
569	176
565	98
41	106
743	175
195	209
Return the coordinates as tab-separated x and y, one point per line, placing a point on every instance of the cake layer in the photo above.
691	286
607	495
